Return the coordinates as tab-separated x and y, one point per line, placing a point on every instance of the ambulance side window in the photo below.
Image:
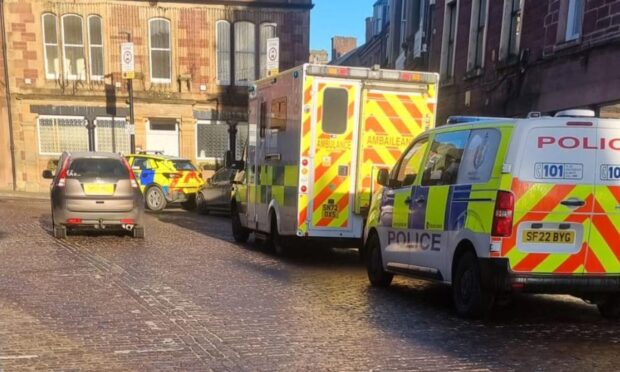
410	164
335	107
444	159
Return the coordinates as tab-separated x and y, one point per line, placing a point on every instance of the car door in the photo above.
211	192
395	217
430	202
222	187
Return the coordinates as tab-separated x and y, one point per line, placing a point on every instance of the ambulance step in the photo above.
261	235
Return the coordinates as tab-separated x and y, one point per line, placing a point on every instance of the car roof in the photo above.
94	155
158	157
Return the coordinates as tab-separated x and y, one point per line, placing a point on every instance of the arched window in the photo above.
50	46
267	31
73	42
95	39
160	50
222	48
245	53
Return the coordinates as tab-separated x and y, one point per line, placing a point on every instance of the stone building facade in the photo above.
511	57
193	62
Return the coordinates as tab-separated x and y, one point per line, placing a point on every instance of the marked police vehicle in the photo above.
493	206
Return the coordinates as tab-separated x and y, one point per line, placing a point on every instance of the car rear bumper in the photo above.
98	219
497	276
180	194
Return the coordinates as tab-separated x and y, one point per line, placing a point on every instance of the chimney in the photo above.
370	28
342	45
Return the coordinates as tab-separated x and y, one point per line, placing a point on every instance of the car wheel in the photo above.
377	276
189	204
201	204
138	232
471	300
240	233
60	232
610	308
155	199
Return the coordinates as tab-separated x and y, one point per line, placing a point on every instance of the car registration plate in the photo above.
548	236
330	210
98	188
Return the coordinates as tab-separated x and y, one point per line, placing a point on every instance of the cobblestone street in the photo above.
188	298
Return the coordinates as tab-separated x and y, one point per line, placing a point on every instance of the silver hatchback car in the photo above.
95	190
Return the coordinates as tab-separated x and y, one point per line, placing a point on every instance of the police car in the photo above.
493	206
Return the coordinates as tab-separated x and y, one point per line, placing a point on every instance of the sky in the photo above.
338	18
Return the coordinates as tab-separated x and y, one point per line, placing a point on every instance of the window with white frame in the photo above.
73	43
403	23
222	47
95	40
212	139
50	46
62	133
160	50
574	19
112	135
267	31
511	29
245	53
449	39
477	34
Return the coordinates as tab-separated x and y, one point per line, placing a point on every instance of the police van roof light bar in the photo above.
470	119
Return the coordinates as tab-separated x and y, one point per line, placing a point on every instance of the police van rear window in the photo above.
564	155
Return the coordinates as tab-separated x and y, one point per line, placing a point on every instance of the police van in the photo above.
493	206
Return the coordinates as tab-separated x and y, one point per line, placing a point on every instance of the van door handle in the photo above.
573	203
408	201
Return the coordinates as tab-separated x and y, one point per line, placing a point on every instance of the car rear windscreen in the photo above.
97	168
183	165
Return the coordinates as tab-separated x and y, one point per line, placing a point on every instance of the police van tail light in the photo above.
503	214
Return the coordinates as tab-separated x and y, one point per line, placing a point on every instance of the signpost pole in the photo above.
132	135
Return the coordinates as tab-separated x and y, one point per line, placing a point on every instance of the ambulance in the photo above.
495	206
317	137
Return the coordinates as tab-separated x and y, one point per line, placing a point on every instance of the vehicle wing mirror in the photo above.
383	177
238	165
48	174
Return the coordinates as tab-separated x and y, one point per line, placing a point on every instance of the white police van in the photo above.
493	206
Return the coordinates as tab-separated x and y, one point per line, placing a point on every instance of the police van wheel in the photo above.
610	308
471	300
155	199
240	233
377	276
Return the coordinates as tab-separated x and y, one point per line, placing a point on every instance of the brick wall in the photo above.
342	45
553	75
193	85
6	179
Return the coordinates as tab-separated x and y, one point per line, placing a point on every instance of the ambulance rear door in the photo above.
334	140
394	114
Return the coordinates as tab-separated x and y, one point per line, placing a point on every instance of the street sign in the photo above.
127	61
273	56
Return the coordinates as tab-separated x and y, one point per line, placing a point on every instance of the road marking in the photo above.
143	351
12	357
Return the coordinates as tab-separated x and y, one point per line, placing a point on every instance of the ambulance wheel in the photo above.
471	300
610	308
377	276
277	244
240	233
155	199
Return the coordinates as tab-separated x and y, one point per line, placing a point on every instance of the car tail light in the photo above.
74	221
503	215
128	221
132	176
62	178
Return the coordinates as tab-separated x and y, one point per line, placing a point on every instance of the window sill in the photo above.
510	61
473	74
447	83
161	81
565	45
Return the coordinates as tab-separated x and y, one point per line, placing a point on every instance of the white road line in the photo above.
11	357
146	351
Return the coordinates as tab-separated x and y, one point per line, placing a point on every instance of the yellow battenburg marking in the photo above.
436	211
400	213
603	252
